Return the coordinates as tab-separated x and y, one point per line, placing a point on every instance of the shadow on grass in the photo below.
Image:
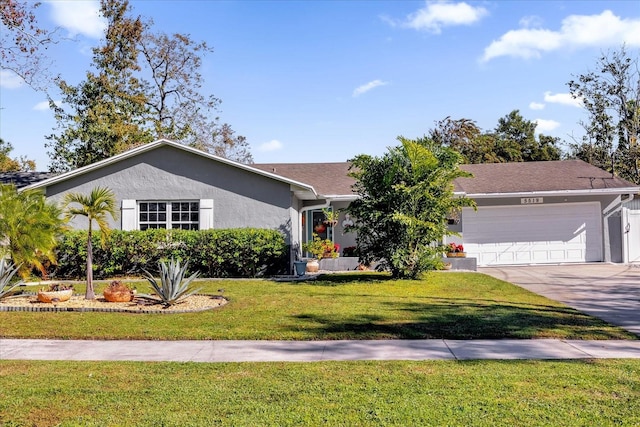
337	278
452	319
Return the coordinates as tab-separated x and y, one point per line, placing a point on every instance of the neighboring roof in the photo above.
329	179
570	176
23	179
300	188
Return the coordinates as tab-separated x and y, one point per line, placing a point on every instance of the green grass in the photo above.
442	305
444	393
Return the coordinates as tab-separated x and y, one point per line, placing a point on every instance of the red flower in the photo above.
456	248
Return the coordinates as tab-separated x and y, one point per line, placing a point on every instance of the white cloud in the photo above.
531	21
576	31
436	15
563	98
273	145
545	125
10	80
79	17
523	43
368	86
41	106
44	105
536	106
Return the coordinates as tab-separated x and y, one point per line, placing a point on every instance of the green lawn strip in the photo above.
442	305
435	393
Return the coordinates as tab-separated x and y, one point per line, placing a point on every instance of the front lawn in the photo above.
443	305
436	393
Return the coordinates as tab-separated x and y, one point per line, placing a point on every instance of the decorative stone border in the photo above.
43	307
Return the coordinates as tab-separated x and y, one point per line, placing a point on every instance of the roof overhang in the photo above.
592	192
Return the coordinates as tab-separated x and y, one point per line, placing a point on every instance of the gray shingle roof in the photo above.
488	178
559	175
22	179
325	178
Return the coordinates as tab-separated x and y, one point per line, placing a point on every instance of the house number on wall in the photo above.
531	200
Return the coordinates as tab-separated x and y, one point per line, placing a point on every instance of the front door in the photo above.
314	221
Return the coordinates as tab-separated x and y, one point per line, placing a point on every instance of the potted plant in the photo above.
319	249
330	216
300	266
320	228
118	292
55	292
455	251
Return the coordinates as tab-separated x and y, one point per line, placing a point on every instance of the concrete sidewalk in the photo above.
314	351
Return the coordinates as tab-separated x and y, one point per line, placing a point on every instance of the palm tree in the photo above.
100	202
29	227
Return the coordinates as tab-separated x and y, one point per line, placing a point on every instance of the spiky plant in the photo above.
7	271
172	288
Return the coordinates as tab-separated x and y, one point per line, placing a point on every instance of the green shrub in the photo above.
242	252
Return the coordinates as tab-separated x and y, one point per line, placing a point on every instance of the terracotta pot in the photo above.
456	254
59	296
117	296
313	266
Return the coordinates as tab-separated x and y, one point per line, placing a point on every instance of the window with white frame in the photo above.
184	215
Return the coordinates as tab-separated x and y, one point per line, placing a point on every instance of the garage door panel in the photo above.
533	234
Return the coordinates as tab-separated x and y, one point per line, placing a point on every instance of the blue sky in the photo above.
322	81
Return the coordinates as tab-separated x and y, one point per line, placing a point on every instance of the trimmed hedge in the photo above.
241	252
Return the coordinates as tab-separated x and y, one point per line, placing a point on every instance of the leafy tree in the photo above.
513	140
145	86
95	207
611	97
106	112
517	134
8	164
28	228
23	42
405	198
174	96
223	142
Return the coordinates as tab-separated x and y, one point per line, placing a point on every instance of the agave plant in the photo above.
172	289
7	271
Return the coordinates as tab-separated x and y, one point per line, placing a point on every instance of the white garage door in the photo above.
533	234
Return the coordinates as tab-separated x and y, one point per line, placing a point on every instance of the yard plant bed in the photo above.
447	305
381	393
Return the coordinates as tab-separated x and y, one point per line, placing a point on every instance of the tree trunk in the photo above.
89	294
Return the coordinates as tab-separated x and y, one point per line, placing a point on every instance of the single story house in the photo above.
528	213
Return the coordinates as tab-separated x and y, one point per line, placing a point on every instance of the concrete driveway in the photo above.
608	291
